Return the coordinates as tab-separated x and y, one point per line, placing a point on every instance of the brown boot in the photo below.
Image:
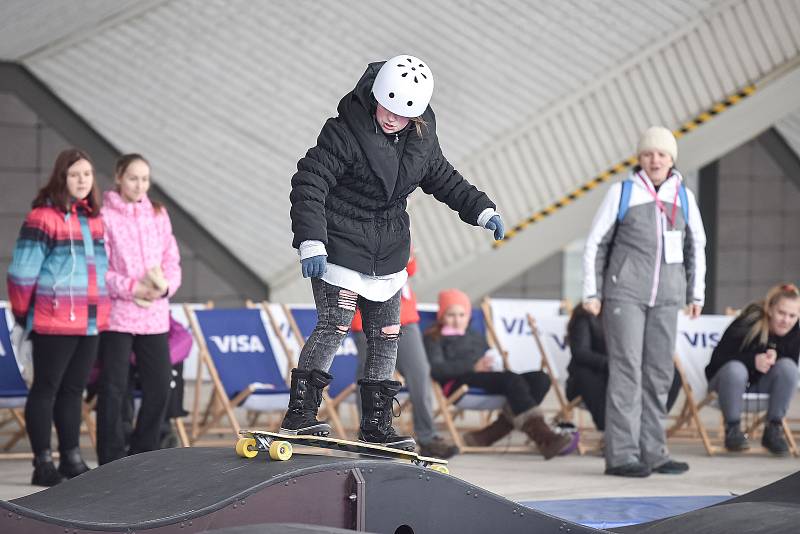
486	436
550	443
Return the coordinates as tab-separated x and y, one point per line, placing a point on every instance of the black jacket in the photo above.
730	347
350	190
587	343
454	356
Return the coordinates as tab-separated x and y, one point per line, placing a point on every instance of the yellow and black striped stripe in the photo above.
606	175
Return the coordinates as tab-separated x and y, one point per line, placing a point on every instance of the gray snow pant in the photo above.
412	363
731	382
641	344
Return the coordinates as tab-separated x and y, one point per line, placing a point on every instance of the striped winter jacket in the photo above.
56	280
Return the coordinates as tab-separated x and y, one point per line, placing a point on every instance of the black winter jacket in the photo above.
587	343
350	190
730	347
454	356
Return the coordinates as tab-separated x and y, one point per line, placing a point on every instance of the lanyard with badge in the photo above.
673	239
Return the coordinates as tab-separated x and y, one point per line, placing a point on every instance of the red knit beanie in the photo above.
451	297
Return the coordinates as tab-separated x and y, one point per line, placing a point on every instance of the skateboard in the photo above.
279	448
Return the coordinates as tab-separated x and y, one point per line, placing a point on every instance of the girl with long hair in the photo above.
56	285
758	353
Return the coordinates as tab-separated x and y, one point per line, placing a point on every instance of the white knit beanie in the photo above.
658	138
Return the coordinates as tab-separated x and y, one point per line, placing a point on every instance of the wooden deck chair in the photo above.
13	394
452	402
235	350
755	407
518	321
290	342
343	388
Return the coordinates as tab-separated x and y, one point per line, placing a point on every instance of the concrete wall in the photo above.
758	226
28	149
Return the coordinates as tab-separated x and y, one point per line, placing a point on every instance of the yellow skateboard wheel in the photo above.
280	450
246	448
441	469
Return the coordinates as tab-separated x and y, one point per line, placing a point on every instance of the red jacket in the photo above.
408	301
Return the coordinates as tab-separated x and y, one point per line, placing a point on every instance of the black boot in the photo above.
72	464
773	438
44	470
376	415
304	400
735	439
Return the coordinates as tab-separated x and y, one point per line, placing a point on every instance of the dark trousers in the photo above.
153	364
591	385
61	366
523	391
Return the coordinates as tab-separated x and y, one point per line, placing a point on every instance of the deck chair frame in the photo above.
219	405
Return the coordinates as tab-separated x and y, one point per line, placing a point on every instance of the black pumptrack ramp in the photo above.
772	509
206	489
213	490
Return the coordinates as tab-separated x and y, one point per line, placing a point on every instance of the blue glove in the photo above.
496	224
314	267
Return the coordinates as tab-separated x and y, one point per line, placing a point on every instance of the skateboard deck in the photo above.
279	447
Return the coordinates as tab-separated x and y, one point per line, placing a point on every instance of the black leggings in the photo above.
61	366
155	373
523	391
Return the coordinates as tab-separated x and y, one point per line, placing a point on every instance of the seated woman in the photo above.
457	353
588	366
758	354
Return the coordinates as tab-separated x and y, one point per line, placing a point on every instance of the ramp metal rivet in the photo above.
469	492
337	473
234	506
427	478
514	512
476	495
294	481
285	483
190	523
522	514
419	476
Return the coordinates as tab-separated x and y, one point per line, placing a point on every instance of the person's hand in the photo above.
592	306
484	365
766	360
314	267
496	224
694	310
145	291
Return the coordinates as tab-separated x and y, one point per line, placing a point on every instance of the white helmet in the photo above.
404	86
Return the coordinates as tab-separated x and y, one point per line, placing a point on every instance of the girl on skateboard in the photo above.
351	228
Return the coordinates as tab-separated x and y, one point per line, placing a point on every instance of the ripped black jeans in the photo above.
336	307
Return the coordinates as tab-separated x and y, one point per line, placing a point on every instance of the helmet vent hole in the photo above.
410	103
391	95
415	80
413	68
400	65
409	60
404	75
423	75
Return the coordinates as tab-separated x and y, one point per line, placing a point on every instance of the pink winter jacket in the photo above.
138	239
